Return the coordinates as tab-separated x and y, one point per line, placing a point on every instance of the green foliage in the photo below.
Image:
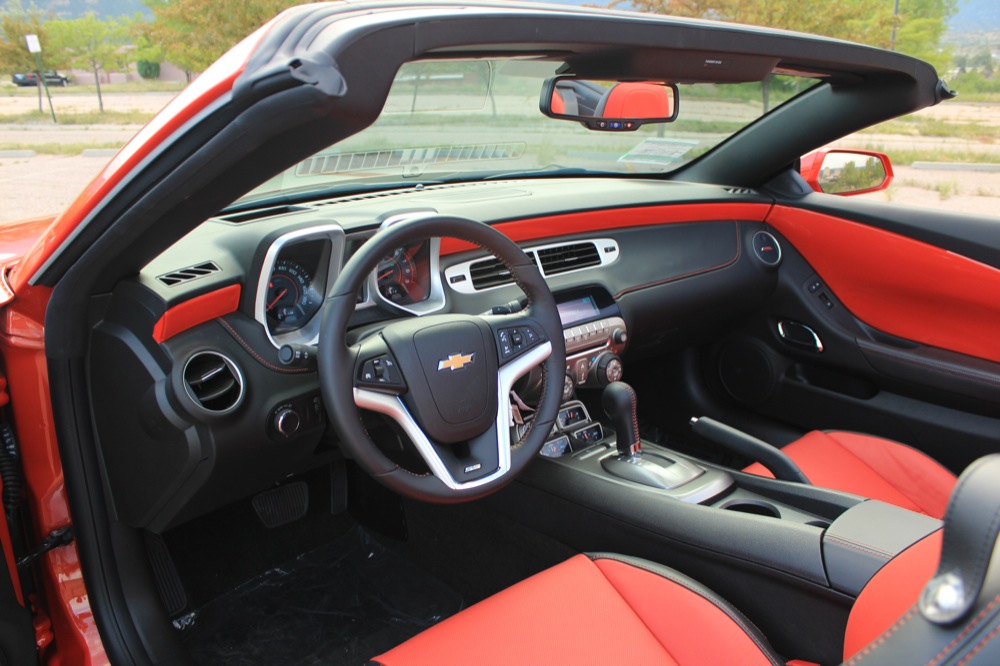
148	69
920	24
195	33
92	44
15	23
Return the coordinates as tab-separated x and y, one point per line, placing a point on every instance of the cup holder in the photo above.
753	507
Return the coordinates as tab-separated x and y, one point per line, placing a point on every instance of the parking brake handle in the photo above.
771	457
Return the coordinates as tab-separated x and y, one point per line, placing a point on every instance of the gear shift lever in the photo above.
648	469
619	402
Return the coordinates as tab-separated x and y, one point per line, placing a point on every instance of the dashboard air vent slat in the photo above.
564	258
491	272
213	381
189	273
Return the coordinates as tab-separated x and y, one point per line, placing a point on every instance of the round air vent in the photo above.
766	247
213	381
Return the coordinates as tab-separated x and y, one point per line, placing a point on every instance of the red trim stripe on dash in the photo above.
198	310
616	218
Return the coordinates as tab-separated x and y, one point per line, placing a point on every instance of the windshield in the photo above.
455	120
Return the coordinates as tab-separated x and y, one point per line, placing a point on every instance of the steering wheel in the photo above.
444	379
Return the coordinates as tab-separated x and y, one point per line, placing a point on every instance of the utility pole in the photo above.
895	21
35	47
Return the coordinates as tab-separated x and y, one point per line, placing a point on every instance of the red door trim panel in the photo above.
898	285
618	218
198	310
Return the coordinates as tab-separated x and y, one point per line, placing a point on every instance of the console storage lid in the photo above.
865	537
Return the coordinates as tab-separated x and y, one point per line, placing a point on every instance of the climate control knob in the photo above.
607	369
287	422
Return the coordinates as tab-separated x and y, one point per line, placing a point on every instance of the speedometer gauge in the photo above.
291	299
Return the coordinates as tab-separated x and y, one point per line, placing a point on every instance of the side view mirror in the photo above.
847	172
609	106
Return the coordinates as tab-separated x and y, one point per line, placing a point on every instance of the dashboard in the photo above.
222	359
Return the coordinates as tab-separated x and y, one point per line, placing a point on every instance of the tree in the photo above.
194	33
15	23
93	44
920	24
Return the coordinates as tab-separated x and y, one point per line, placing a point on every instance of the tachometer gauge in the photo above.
291	299
395	275
403	277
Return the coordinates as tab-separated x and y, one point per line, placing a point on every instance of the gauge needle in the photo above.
387	273
277	298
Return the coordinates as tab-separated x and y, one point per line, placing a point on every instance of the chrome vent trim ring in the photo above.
552	259
213	382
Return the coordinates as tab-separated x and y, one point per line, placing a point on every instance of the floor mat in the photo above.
340	604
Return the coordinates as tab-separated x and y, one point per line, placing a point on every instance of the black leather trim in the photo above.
971	526
692	585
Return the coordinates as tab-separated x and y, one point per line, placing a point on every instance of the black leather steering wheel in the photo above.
444	379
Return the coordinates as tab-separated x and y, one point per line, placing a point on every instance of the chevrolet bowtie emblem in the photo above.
455	362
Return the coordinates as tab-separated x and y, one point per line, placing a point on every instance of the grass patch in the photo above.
87	118
61	148
920	126
91	89
906	157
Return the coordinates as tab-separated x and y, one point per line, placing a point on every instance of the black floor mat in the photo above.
340	604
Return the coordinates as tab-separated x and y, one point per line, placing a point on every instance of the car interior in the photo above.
494	301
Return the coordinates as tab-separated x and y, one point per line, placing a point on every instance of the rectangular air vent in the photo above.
398	158
491	273
475	275
189	273
564	258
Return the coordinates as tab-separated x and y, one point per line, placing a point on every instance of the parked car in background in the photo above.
29	79
385	258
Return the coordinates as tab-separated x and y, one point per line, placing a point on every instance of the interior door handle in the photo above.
799	336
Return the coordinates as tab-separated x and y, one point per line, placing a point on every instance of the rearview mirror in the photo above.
847	172
615	106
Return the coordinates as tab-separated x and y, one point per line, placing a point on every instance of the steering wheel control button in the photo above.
381	372
766	247
516	339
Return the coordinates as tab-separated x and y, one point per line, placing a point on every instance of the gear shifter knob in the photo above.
619	402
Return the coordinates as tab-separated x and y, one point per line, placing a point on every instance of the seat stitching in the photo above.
986	639
733	614
859	546
965	632
874	645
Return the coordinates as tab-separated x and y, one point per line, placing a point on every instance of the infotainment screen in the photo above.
578	309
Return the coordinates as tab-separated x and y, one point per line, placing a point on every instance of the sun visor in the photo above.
671	65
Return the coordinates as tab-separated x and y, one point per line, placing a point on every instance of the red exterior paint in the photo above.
64	595
899	285
215	82
197	311
603	220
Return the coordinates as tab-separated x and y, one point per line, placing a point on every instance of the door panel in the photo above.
910	330
900	286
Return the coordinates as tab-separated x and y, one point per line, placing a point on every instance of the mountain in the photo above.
976	16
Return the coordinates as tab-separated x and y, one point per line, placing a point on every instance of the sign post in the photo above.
35	47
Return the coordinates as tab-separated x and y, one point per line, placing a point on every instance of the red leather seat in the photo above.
607	609
600	610
872	467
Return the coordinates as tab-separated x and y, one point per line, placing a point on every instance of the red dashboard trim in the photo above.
898	285
603	220
196	311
